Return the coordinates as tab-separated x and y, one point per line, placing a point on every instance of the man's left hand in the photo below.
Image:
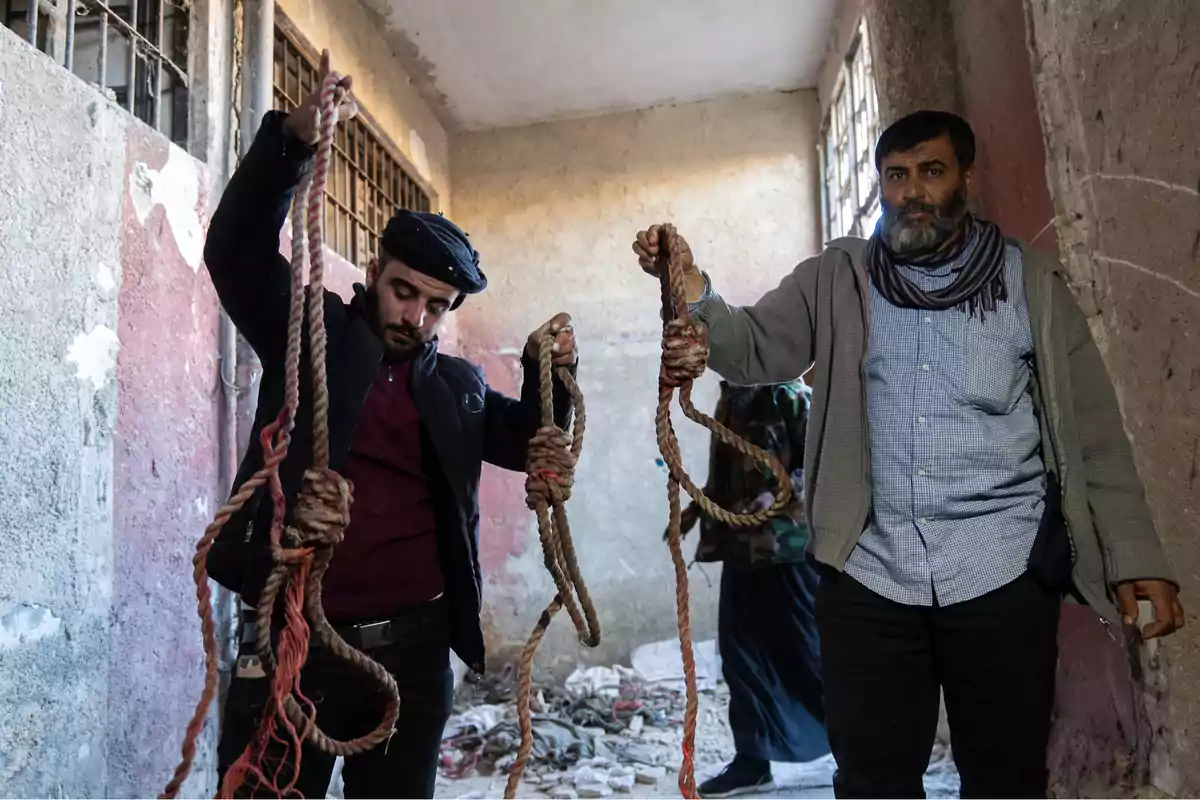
564	352
1163	595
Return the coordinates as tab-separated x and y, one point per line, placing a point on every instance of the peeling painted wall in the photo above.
1118	85
165	466
359	47
107	422
553	209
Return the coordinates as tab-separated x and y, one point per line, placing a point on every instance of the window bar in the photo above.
158	71
31	19
102	72
70	62
131	87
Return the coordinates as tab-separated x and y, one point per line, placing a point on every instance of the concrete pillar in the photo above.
916	65
1116	89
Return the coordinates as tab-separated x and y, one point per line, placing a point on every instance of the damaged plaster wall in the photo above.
108	409
553	209
359	47
1118	85
64	150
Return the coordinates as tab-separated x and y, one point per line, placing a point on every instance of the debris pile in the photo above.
605	730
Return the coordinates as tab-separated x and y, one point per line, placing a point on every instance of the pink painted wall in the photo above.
164	477
998	98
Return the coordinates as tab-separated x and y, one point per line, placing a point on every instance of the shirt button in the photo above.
928	320
921	472
921	419
925	368
923	520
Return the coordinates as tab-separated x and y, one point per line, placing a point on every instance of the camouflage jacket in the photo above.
774	418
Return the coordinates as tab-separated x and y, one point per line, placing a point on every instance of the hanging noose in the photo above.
550	466
680	367
301	552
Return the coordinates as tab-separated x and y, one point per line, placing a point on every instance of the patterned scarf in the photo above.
978	285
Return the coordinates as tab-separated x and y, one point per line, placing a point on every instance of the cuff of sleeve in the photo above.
296	153
705	296
1138	561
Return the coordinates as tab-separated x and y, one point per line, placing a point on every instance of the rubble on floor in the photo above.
605	731
612	732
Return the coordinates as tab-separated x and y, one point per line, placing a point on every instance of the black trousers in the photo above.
994	658
348	705
771	660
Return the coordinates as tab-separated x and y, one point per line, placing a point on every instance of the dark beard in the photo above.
393	351
914	242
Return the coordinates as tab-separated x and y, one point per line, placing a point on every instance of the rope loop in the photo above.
322	510
321	514
550	460
684	360
684	352
550	467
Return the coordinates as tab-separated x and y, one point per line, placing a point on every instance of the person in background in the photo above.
766	624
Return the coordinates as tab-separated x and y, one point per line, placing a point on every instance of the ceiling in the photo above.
494	63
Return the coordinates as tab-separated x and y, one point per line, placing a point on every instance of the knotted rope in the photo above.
684	359
550	466
301	552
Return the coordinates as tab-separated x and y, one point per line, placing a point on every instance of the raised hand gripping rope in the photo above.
680	367
302	551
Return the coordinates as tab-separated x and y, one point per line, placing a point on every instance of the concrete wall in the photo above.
553	209
107	419
1118	98
360	48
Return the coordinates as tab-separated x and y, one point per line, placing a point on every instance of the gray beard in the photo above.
920	240
909	240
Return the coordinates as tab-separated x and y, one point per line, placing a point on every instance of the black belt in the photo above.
367	635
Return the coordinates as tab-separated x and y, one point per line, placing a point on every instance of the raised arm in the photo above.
242	248
768	342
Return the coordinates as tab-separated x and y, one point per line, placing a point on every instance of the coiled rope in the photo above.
550	473
684	359
302	551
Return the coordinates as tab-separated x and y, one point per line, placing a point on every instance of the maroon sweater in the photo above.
389	559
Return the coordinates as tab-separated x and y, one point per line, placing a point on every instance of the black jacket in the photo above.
463	421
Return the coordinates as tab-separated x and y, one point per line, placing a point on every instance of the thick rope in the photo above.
684	359
550	466
301	552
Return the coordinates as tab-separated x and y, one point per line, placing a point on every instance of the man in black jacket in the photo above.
409	427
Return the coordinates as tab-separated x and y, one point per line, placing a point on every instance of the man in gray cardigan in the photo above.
966	468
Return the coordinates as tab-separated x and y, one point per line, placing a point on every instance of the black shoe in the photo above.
743	776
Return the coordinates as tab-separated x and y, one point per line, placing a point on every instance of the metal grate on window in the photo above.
134	51
851	182
367	183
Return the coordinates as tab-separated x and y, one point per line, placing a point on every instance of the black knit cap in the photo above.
434	246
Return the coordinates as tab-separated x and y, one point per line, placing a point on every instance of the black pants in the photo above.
771	659
348	705
994	659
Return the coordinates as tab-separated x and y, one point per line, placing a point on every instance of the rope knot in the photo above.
684	352
322	509
550	467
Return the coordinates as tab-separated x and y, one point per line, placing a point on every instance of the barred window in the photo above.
851	182
134	51
367	182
